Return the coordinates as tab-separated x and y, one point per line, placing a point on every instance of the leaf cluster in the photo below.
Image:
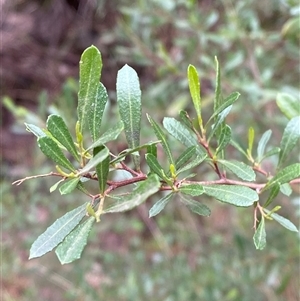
87	157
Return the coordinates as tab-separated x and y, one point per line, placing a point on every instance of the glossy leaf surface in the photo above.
90	67
49	147
69	186
57	127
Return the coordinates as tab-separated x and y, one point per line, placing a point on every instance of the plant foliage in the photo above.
206	143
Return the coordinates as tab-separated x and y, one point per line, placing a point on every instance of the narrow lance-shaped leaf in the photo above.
162	137
185	156
90	67
152	149
240	169
251	135
288	105
197	161
224	138
273	194
286	175
194	85
259	237
183	134
129	151
95	111
160	205
217	99
129	102
68	186
219	124
262	144
282	221
195	206
57	232
192	189
35	130
98	158
57	127
72	246
110	135
240	196
154	165
102	169
226	103
49	147
186	119
289	139
139	195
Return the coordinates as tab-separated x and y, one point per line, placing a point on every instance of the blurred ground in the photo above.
177	256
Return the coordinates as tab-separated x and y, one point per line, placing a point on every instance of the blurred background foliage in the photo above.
176	256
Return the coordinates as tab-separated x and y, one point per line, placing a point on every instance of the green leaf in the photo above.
192	164
238	147
49	147
192	189
54	186
152	149
289	139
95	111
57	232
286	189
273	194
110	135
282	221
218	97
160	205
271	152
182	134
129	102
240	169
129	151
154	165
262	144
185	156
90	67
194	85
226	103
72	246
162	137
98	158
219	121
240	196
35	130
186	119
139	195
288	105
286	175
251	134
57	127
102	169
195	206
259	237
224	139
69	186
